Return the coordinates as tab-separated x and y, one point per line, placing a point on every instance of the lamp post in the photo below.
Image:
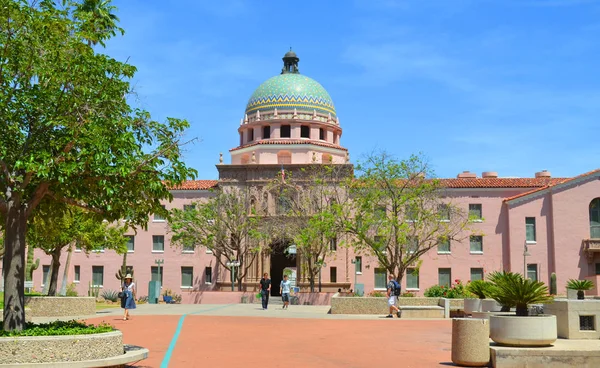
232	265
158	263
354	262
525	255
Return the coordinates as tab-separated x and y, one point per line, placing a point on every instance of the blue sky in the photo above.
509	85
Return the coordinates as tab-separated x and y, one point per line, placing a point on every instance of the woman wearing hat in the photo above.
128	300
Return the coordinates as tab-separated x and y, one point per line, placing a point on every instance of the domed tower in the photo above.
289	119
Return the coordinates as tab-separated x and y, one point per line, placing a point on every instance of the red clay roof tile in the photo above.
196	185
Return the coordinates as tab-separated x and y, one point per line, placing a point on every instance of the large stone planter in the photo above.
470	342
48	349
576	319
61	306
490	305
472	305
486	315
523	331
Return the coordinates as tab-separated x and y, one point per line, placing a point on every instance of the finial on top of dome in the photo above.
257	115
290	63
221	158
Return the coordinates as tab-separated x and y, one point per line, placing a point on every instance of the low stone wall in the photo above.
378	305
60	306
52	349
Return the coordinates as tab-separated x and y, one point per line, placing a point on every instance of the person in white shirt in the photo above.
284	289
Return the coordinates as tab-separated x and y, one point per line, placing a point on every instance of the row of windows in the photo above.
187	275
285	131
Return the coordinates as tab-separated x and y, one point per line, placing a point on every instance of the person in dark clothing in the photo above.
265	289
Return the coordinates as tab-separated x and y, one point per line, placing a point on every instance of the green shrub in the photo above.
456	291
57	328
71	291
479	288
436	291
111	295
511	289
377	294
579	285
407	294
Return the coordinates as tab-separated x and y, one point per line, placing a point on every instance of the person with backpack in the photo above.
393	292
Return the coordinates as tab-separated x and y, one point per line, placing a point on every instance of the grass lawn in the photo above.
100	306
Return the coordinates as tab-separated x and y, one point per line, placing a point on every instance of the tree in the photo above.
307	212
397	212
225	224
53	232
98	21
69	134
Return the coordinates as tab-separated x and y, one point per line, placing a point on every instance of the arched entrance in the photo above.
280	260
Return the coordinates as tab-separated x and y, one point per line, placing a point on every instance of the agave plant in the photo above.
111	295
580	286
511	289
480	288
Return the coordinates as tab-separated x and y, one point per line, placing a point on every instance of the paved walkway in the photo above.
243	335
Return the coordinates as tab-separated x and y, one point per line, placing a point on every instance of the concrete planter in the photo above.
576	319
52	349
486	315
61	306
470	342
472	305
523	331
490	305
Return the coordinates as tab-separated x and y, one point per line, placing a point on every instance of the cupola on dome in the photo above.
291	90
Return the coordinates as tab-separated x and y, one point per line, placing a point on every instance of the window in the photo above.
285	132
188	248
154	274
530	229
380	278
476	242
412	278
187	277
304	131
322	134
412	244
98	275
444	277
130	243
250	135
532	272
411	213
597	268
587	323
333	274
158	243
444	246
189	207
444	212
475	213
595	219
77	276
45	274
358	264
266	132
333	244
159	217
208	275
476	274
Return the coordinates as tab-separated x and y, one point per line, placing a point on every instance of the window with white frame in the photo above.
444	277
530	229
595	218
158	217
130	243
77	274
475	212
187	277
476	244
189	207
333	243
444	246
380	278
154	274
476	274
412	244
97	275
158	243
444	212
532	271
208	275
358	264
412	278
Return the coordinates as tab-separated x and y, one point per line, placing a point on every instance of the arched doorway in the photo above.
280	260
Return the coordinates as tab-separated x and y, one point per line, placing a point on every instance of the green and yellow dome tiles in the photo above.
290	91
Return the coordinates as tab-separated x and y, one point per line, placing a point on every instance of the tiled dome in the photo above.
290	91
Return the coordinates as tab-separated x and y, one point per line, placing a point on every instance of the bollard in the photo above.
470	342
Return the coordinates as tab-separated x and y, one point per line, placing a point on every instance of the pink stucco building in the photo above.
290	122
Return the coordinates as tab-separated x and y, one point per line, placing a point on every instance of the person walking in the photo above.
265	289
284	290
128	299
393	289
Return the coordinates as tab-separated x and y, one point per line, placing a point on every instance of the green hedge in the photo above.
57	328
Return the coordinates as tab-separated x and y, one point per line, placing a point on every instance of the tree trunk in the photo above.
54	272
14	266
63	287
